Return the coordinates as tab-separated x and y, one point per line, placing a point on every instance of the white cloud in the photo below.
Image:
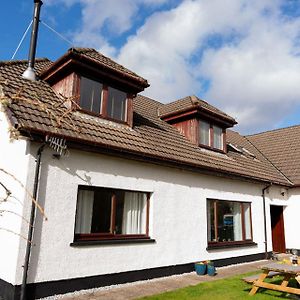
254	70
255	78
256	81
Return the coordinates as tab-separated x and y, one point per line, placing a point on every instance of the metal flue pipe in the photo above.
29	72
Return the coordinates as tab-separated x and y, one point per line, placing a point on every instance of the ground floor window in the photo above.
228	222
104	213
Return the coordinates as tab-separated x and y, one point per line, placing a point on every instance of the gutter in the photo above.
147	157
31	222
265	218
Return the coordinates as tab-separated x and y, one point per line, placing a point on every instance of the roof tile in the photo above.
38	108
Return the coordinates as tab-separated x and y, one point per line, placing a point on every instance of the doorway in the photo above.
277	224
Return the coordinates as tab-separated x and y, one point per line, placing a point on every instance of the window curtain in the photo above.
218	138
204	133
116	106
84	212
134	213
237	222
247	221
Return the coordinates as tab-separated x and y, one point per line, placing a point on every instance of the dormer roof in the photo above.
93	61
193	104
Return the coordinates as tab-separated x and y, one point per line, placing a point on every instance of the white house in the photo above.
145	189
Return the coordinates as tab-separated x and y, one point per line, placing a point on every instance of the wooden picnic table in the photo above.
287	271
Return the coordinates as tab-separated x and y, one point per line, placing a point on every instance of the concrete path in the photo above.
160	285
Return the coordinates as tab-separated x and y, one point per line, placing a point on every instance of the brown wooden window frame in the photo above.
211	137
217	243
112	235
104	100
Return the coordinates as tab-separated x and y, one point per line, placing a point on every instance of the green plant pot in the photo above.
211	270
200	269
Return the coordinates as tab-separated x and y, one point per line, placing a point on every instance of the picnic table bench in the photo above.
288	272
252	278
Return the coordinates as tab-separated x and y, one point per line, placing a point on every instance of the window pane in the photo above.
84	211
247	219
90	95
204	133
218	140
119	211
116	104
134	213
97	212
229	221
102	211
211	221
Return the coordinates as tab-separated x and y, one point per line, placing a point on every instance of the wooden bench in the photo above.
252	278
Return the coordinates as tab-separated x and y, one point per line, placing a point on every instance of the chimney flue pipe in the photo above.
29	72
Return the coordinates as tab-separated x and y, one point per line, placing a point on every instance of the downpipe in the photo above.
265	219
31	221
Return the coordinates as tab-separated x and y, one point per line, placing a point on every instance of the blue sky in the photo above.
239	55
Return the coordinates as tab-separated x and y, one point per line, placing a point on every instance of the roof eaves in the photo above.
98	146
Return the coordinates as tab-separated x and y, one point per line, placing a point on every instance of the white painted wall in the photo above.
292	220
289	199
13	159
177	216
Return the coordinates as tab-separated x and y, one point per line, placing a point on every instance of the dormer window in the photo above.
204	133
218	137
90	95
211	136
116	104
95	84
103	100
201	123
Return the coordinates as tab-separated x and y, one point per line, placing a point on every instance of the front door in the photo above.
277	224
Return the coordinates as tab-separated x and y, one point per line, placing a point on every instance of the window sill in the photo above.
230	245
111	242
212	148
98	115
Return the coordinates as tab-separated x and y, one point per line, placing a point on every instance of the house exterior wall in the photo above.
291	219
14	159
178	221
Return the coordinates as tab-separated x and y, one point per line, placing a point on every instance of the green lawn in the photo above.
232	288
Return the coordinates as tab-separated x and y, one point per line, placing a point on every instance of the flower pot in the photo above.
200	268
211	270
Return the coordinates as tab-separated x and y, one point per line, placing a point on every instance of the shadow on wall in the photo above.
83	164
47	162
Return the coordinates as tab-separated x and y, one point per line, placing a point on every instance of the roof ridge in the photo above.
95	56
83	49
272	130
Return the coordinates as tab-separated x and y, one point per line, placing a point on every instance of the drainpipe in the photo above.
31	222
265	218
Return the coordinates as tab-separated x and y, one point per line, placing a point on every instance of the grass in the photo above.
232	288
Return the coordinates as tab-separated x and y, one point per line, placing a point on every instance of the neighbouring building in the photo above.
145	189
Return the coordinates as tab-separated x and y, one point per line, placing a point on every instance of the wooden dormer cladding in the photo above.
80	70
192	116
68	85
189	128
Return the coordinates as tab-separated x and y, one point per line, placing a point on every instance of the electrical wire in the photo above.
22	39
60	35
